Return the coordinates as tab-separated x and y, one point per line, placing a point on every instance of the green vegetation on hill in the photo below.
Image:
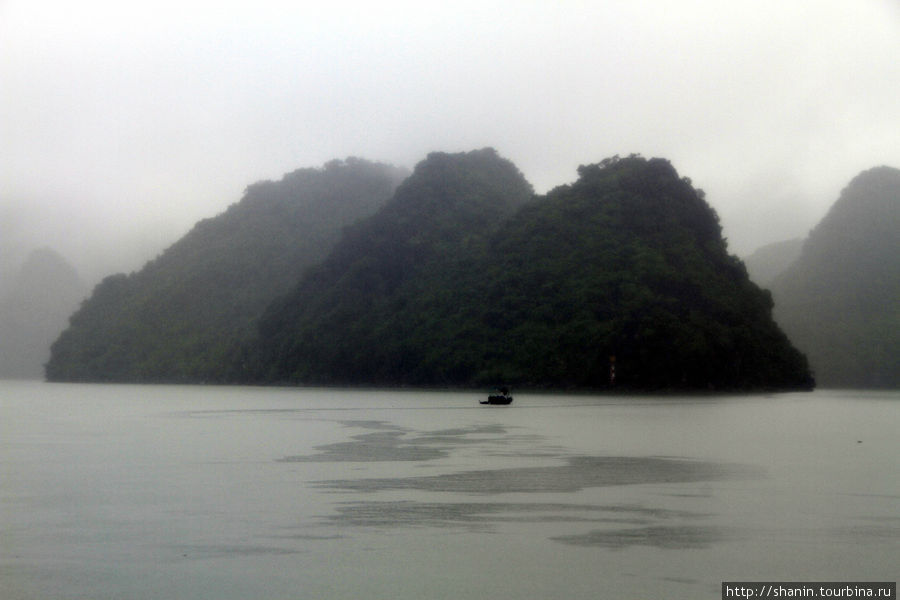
186	314
461	280
346	321
840	301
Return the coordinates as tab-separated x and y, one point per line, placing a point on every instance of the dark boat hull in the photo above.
499	400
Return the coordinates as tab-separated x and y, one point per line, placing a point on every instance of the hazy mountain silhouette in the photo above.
840	300
33	311
770	261
185	315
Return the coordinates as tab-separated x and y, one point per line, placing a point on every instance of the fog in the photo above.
123	124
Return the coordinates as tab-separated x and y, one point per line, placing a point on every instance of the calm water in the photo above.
207	492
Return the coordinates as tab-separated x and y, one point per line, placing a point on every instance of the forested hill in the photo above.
348	319
840	301
449	284
183	316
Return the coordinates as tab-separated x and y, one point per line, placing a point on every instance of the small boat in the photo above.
502	397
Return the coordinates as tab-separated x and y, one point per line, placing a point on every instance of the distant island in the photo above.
35	302
839	300
459	276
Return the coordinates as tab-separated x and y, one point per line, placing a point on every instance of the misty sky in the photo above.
121	123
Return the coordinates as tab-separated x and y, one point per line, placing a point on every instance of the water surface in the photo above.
210	492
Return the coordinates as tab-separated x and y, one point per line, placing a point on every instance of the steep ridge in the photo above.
185	315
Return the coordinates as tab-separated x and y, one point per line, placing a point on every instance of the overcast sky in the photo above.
122	123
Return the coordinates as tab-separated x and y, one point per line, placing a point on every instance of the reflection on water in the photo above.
231	551
482	516
660	536
656	527
226	493
392	443
576	474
